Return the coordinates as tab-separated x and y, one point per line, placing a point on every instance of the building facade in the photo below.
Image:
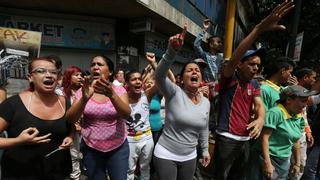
123	30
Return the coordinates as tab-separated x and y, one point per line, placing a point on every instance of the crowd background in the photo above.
119	121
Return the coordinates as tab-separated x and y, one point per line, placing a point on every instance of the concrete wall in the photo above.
164	9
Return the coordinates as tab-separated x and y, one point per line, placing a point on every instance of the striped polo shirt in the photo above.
235	106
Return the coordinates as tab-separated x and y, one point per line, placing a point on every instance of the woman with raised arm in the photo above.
105	108
38	133
186	121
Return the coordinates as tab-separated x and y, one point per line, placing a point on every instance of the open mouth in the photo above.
137	88
96	75
194	79
48	82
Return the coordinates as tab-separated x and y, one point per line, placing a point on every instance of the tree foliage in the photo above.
309	23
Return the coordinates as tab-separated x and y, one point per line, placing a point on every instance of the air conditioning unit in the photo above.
143	25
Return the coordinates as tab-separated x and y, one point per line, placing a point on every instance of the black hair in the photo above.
213	36
117	71
300	73
127	77
108	62
275	66
85	73
191	62
57	61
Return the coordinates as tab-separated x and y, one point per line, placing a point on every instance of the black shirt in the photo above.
29	161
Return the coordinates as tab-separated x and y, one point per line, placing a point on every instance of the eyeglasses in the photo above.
44	71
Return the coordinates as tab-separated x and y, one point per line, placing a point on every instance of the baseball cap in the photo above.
259	52
296	90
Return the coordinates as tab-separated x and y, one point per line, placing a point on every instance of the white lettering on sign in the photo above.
53	30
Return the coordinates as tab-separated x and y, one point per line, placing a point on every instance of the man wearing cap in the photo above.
238	94
282	130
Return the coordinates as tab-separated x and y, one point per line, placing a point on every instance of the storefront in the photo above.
75	39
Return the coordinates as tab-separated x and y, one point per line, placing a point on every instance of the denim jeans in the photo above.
255	169
97	162
310	171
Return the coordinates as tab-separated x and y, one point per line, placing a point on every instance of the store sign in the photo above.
65	33
17	47
20	42
158	44
297	47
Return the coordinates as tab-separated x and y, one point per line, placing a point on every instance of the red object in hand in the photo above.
177	44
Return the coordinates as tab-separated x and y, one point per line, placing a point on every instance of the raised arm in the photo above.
197	42
152	61
75	111
146	73
267	24
164	84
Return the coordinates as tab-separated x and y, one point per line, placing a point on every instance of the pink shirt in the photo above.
102	129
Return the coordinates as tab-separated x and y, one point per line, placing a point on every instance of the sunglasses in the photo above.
44	71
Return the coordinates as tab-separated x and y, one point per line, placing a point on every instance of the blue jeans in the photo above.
310	171
255	170
97	162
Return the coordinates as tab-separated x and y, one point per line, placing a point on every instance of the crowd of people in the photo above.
260	117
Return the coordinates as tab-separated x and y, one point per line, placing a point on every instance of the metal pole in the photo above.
229	26
295	27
